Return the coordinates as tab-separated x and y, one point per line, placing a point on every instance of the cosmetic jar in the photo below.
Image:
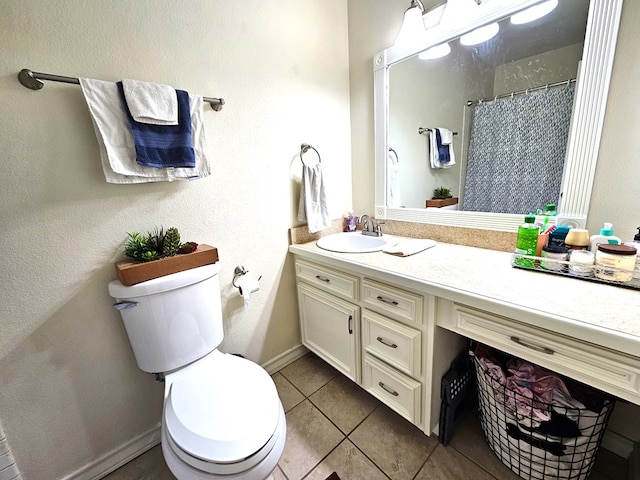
577	239
581	263
551	254
615	262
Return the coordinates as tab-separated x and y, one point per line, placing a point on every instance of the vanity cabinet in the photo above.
329	318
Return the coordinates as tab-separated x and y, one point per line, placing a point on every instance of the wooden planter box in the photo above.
441	202
132	272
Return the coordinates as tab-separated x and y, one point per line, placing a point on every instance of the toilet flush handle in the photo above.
125	305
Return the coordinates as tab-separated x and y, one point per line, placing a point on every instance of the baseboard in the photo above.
284	359
617	444
118	456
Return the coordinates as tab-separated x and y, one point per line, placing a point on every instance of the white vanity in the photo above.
393	325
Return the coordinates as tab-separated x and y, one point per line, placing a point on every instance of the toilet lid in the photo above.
224	411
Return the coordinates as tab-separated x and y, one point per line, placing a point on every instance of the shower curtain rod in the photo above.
521	92
32	81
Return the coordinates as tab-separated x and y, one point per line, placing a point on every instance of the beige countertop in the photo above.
601	314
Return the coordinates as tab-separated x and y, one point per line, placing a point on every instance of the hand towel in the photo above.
440	143
117	151
151	103
393	181
163	146
313	199
409	246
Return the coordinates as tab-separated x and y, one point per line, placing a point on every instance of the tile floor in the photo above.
334	425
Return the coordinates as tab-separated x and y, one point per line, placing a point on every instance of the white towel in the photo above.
313	199
152	103
117	151
409	246
393	181
446	137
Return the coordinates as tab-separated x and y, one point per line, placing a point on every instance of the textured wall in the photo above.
70	388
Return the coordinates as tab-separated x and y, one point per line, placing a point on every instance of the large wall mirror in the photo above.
554	71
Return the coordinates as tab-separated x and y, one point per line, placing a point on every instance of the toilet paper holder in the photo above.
238	272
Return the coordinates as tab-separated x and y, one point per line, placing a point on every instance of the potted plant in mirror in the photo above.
441	198
160	253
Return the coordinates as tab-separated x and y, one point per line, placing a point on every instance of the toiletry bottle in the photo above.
606	236
527	241
635	243
350	222
550	209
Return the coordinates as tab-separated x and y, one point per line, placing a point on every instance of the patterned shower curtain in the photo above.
517	150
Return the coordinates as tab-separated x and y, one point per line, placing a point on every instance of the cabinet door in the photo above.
331	329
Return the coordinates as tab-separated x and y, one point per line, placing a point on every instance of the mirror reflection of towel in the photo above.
393	181
313	199
441	153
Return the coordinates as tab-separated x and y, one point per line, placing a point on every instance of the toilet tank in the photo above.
172	320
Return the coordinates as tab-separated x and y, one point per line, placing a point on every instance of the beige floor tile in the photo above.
310	437
309	373
445	463
396	446
344	403
349	463
469	440
148	466
278	474
289	395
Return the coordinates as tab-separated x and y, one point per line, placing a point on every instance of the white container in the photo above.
615	263
551	255
606	237
635	243
581	263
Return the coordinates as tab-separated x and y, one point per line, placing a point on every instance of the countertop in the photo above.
605	315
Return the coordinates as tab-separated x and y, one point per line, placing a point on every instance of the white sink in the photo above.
355	242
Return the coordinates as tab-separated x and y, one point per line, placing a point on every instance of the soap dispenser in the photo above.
635	243
606	236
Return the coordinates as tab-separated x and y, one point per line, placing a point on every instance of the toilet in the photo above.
222	417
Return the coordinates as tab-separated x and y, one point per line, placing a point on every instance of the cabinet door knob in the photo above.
387	301
386	342
387	389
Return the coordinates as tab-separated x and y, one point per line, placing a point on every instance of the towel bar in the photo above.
32	80
425	130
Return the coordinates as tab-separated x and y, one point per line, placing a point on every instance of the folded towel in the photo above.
409	246
393	181
151	103
163	146
440	148
313	199
117	151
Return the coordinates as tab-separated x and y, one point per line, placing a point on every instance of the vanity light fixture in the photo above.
412	32
534	13
480	35
458	12
438	51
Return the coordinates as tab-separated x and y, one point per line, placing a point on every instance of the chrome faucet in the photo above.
368	228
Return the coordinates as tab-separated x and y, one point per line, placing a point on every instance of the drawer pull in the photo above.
387	301
387	389
537	348
349	324
323	279
386	342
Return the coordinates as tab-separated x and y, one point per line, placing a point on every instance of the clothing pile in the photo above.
540	425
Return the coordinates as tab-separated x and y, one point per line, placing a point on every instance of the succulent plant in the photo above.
156	244
442	192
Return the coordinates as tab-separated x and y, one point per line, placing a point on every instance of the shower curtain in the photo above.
517	150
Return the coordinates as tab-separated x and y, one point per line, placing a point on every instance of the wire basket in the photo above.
563	447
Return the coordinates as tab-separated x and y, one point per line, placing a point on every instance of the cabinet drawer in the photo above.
393	302
338	283
393	342
597	366
394	389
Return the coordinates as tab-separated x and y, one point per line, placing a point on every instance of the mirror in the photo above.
397	71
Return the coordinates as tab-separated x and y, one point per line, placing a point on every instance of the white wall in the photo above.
71	391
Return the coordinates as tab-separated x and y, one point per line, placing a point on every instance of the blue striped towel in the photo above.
163	146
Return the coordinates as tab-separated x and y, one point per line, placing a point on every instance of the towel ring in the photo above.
395	154
304	148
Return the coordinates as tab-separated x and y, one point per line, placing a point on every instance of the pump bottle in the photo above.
606	236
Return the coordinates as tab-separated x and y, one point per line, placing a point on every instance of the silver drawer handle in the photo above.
384	300
125	305
389	390
386	342
537	348
323	279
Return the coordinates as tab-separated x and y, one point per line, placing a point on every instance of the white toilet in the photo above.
222	417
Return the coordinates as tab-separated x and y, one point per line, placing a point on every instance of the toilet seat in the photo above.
221	413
